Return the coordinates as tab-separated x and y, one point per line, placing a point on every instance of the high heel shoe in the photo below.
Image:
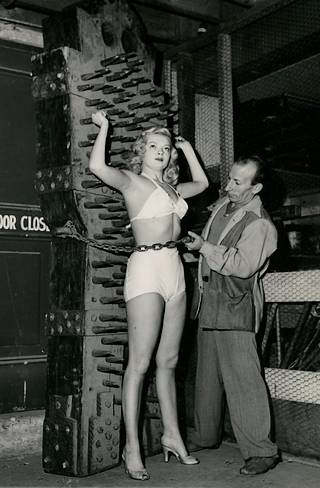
139	475
188	460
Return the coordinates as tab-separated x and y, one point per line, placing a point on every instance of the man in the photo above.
234	248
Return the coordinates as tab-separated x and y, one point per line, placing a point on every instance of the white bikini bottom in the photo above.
153	271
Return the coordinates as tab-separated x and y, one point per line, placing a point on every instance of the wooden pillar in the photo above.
94	59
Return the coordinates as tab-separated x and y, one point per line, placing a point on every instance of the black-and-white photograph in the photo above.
160	243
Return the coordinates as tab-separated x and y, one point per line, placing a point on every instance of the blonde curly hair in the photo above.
171	173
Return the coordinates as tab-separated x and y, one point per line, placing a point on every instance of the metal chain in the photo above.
70	230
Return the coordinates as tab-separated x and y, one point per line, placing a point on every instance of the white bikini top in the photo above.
160	204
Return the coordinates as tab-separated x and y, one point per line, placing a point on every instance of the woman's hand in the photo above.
181	143
99	118
196	243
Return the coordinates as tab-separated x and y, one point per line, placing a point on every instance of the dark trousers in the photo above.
228	367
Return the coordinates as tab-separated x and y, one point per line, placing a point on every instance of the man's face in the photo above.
239	187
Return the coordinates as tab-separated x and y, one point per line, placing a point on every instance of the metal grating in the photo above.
226	106
294	286
207	135
170	85
270	32
295	386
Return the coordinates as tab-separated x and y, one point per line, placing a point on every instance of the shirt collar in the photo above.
254	205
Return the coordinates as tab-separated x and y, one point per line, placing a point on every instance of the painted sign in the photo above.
17	219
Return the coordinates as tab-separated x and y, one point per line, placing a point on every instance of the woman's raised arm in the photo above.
199	180
114	177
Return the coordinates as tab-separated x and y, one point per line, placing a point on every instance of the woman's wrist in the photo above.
103	132
187	147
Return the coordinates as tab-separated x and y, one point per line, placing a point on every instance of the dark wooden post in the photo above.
94	59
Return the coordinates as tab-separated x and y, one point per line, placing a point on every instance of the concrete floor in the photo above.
217	469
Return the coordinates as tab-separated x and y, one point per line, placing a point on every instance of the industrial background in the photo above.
231	76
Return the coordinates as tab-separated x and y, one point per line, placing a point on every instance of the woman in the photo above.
154	287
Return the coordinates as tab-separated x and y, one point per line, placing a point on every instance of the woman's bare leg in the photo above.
167	358
144	315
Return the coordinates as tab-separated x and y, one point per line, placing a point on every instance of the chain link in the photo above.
70	230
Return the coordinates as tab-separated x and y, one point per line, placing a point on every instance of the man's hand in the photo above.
196	243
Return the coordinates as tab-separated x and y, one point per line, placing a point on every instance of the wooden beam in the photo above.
194	44
241	3
206	10
167	27
11	31
290	54
45	6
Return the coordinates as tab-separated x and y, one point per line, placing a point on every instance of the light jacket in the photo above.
242	257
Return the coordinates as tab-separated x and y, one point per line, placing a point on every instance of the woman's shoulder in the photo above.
134	178
138	185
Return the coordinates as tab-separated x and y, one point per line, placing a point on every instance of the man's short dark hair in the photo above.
259	164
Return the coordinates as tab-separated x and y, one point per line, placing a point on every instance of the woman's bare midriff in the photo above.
162	229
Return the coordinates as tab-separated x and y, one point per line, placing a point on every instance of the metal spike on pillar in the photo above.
95	74
109	89
118	59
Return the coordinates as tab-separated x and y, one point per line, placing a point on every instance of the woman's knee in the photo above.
167	361
139	365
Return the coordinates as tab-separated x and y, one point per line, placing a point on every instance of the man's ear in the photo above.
257	188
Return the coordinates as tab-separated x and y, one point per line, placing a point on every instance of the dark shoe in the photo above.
259	465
